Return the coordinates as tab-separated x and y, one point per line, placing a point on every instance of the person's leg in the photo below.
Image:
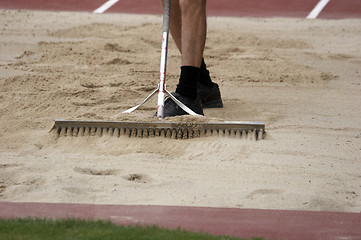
188	29
193	37
188	26
176	31
189	72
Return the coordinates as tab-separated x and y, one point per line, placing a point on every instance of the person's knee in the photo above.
187	5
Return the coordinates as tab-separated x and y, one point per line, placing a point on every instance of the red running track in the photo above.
243	223
335	9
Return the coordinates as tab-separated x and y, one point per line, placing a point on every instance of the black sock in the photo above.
187	85
204	75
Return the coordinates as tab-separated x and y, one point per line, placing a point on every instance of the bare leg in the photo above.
188	28
194	26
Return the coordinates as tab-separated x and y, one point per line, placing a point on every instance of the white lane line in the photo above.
105	6
317	10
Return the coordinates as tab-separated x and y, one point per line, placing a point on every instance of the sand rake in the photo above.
161	128
245	130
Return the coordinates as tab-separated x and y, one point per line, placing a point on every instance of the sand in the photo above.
301	77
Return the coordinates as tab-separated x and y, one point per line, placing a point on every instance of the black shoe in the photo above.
172	109
210	96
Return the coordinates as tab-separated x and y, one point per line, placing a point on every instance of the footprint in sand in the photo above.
138	178
95	172
264	192
2	188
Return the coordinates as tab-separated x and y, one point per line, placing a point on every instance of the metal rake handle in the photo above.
163	60
162	91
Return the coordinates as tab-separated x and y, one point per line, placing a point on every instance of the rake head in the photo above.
247	130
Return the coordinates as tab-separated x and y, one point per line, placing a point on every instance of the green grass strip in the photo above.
75	229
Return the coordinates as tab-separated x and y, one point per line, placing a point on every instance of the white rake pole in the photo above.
163	60
162	91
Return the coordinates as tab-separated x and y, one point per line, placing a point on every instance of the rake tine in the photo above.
98	131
